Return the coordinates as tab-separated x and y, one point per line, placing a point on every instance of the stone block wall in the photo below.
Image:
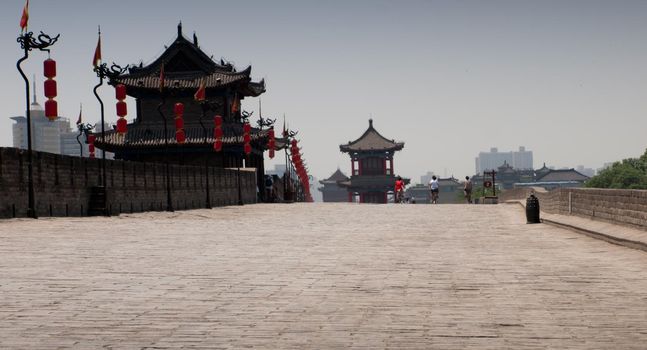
62	185
624	207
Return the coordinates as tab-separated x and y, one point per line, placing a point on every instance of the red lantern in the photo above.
247	138
217	133
122	125
91	139
270	142
51	109
180	137
217	146
50	88
122	108
120	92
49	68
179	108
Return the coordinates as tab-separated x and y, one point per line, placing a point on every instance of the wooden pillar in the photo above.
350	197
386	196
352	166
392	171
384	166
361	196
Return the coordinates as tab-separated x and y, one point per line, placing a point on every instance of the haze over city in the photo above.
566	80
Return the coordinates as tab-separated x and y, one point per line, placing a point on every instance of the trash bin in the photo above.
532	209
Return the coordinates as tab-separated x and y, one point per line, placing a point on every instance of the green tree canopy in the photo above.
630	173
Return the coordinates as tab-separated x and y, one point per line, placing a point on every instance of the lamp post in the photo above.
111	73
269	123
83	129
28	43
207	105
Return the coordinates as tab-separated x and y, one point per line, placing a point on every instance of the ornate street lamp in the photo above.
28	42
83	129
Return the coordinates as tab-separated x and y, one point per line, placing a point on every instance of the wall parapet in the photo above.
617	206
62	185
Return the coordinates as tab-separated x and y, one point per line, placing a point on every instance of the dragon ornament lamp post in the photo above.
83	129
111	73
206	106
264	123
288	135
28	42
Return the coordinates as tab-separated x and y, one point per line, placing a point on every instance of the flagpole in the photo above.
28	43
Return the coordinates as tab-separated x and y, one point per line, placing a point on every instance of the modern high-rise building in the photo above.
52	136
521	159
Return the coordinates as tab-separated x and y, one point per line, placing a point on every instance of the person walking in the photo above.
434	187
399	190
467	189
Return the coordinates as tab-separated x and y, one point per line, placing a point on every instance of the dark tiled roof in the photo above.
152	136
185	80
185	65
335	177
563	175
371	140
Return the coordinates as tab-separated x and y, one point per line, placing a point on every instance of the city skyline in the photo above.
449	79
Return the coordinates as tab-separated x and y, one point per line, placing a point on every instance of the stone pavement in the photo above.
317	276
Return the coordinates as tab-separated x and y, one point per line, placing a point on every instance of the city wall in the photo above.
624	207
62	185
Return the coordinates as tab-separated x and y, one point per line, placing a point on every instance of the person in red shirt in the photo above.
399	190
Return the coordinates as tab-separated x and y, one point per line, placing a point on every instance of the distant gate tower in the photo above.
372	175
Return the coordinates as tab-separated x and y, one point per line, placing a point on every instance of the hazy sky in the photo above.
566	79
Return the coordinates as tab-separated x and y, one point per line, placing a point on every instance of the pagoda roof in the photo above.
563	175
185	66
149	136
371	140
335	177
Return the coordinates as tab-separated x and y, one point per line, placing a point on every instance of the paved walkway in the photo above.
317	277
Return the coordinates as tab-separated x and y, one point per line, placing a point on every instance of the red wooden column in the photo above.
350	197
352	166
392	171
386	196
384	166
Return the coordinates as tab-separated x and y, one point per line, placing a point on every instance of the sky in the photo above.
565	79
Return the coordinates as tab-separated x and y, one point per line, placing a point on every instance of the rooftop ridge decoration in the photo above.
185	66
371	140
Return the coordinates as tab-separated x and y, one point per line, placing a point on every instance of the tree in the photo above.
630	173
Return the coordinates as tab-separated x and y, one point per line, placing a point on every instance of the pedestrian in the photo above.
269	188
399	190
435	188
467	189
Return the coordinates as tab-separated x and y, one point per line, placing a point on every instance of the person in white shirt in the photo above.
434	187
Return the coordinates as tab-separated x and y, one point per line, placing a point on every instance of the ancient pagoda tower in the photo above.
372	173
331	190
185	68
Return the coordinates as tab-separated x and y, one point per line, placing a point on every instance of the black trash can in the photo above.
532	210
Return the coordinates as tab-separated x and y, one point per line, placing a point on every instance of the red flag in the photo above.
96	60
25	17
80	120
200	95
162	77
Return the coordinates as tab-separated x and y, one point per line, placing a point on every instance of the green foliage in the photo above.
630	173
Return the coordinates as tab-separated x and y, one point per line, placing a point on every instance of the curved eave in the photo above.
155	139
348	148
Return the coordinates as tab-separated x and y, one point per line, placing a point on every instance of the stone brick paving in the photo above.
317	276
